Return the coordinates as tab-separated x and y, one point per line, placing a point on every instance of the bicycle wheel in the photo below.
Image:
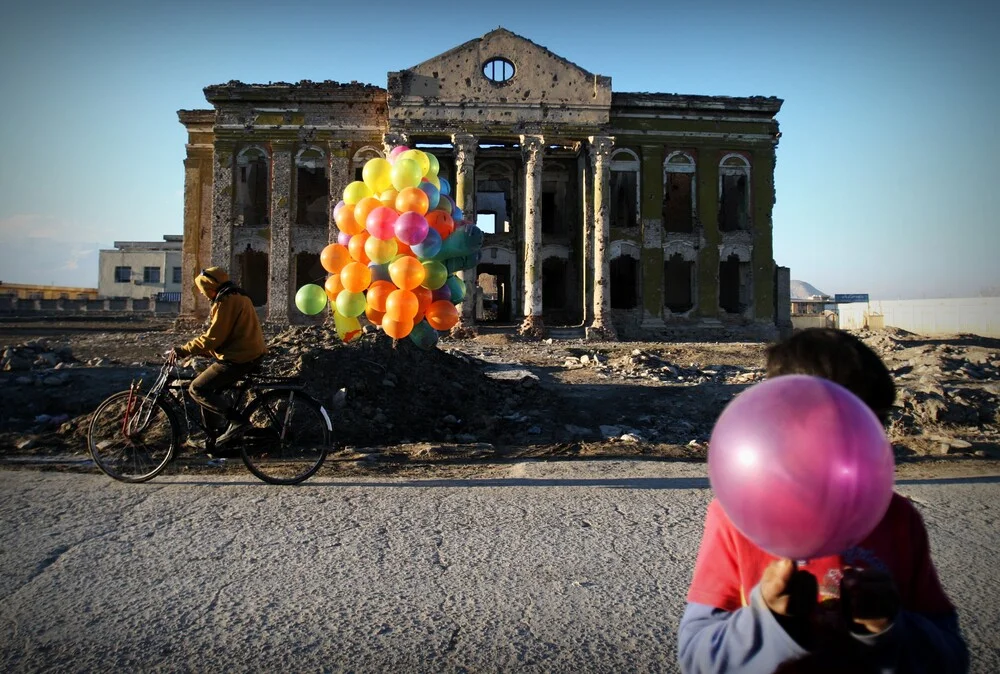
132	439
289	437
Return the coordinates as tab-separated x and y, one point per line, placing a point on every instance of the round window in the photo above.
498	70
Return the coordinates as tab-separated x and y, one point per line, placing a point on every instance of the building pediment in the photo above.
499	82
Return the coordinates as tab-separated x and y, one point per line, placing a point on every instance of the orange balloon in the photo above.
412	199
374	315
377	293
356	276
333	286
396	329
403	249
424	299
401	305
441	222
357	247
406	272
346	222
442	315
363	208
334	257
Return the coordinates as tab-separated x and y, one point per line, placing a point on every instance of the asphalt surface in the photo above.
536	567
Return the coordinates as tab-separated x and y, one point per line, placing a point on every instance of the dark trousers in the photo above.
207	390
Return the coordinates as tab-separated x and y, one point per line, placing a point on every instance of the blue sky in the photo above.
886	168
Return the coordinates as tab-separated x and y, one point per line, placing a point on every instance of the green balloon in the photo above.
310	299
435	275
351	304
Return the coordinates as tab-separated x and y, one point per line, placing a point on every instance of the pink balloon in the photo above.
801	466
411	228
380	223
336	209
396	151
343	238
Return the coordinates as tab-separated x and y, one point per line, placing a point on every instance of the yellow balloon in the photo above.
380	251
435	165
420	157
388	198
433	180
355	192
348	327
376	175
405	173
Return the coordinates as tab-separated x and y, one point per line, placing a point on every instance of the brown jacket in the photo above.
234	333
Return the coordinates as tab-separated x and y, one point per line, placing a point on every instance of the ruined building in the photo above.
626	213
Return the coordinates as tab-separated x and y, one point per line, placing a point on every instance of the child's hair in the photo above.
839	357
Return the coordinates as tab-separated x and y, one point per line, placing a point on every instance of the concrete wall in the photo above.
975	315
11	306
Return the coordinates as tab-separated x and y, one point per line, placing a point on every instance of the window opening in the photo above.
312	188
553	284
151	275
253	267
123	274
176	275
624	273
498	70
252	188
678	283
487	222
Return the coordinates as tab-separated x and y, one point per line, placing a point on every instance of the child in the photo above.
876	607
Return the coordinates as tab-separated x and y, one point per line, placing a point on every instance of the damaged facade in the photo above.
626	213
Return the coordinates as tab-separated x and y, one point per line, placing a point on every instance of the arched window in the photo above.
734	193
312	187
624	276
253	183
679	203
624	210
361	158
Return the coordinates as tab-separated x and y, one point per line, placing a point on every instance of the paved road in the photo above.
540	567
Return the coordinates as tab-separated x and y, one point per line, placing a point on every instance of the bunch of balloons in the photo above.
402	240
801	466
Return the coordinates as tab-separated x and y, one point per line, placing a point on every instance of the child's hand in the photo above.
869	599
788	591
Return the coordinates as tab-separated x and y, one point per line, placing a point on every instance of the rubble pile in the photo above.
395	392
647	365
37	354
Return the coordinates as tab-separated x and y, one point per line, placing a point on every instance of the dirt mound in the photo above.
395	392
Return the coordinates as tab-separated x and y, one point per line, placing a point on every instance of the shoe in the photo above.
197	445
235	430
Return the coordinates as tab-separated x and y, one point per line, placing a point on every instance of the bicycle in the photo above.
135	434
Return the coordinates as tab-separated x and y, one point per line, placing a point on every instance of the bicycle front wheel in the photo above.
132	438
289	438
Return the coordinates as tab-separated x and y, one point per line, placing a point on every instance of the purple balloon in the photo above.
801	466
411	228
343	238
442	293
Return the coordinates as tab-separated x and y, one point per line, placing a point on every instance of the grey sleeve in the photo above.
916	643
748	640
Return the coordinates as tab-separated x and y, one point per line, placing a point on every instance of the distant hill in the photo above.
802	290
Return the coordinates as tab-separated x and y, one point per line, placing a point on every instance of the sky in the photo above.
886	173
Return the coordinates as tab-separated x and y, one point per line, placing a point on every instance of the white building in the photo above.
142	269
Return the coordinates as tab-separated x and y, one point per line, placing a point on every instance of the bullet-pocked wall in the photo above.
624	213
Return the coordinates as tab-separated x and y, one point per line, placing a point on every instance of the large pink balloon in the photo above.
801	466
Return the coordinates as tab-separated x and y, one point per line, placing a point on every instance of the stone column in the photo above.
340	177
600	153
587	208
651	180
198	177
532	150
391	139
465	198
222	207
279	258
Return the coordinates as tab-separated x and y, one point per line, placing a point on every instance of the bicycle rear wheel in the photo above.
289	438
131	438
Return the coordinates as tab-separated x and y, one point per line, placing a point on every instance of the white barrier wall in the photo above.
975	315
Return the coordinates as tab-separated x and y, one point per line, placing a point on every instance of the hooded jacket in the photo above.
234	333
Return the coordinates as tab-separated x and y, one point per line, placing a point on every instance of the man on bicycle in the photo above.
234	338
